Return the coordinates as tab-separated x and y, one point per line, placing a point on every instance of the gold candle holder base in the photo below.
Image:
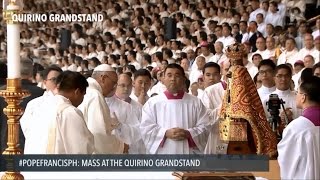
13	95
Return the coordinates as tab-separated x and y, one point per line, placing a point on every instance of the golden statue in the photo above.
243	123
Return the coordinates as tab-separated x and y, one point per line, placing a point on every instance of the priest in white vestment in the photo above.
123	93
58	127
174	122
96	111
266	72
299	149
50	76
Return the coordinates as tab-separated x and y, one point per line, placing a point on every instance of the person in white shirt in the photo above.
308	48
50	79
127	129
283	75
266	73
308	61
196	73
141	85
219	57
243	26
270	52
290	55
316	32
178	130
92	50
205	52
273	17
261	47
71	62
299	147
100	51
226	39
252	69
123	93
255	4
102	83
58	127
132	59
261	24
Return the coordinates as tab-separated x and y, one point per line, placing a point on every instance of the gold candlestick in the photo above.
13	95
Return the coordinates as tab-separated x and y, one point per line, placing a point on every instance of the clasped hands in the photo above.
177	134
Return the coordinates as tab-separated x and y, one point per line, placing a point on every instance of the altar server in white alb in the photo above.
299	149
96	112
59	127
174	122
50	76
212	100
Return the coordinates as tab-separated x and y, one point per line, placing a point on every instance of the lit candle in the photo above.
13	47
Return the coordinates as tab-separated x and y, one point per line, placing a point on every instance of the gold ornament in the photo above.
13	95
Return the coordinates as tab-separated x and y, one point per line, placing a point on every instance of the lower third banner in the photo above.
134	163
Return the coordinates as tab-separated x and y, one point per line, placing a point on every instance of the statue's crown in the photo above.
236	51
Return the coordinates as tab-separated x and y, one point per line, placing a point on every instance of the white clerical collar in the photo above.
264	88
282	93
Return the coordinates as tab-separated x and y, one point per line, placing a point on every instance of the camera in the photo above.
274	104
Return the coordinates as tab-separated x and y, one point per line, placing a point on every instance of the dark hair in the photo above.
283	66
267	62
175	66
147	57
255	79
141	72
131	68
311	87
316	66
69	80
95	61
159	55
306	74
187	83
211	64
37	68
49	69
